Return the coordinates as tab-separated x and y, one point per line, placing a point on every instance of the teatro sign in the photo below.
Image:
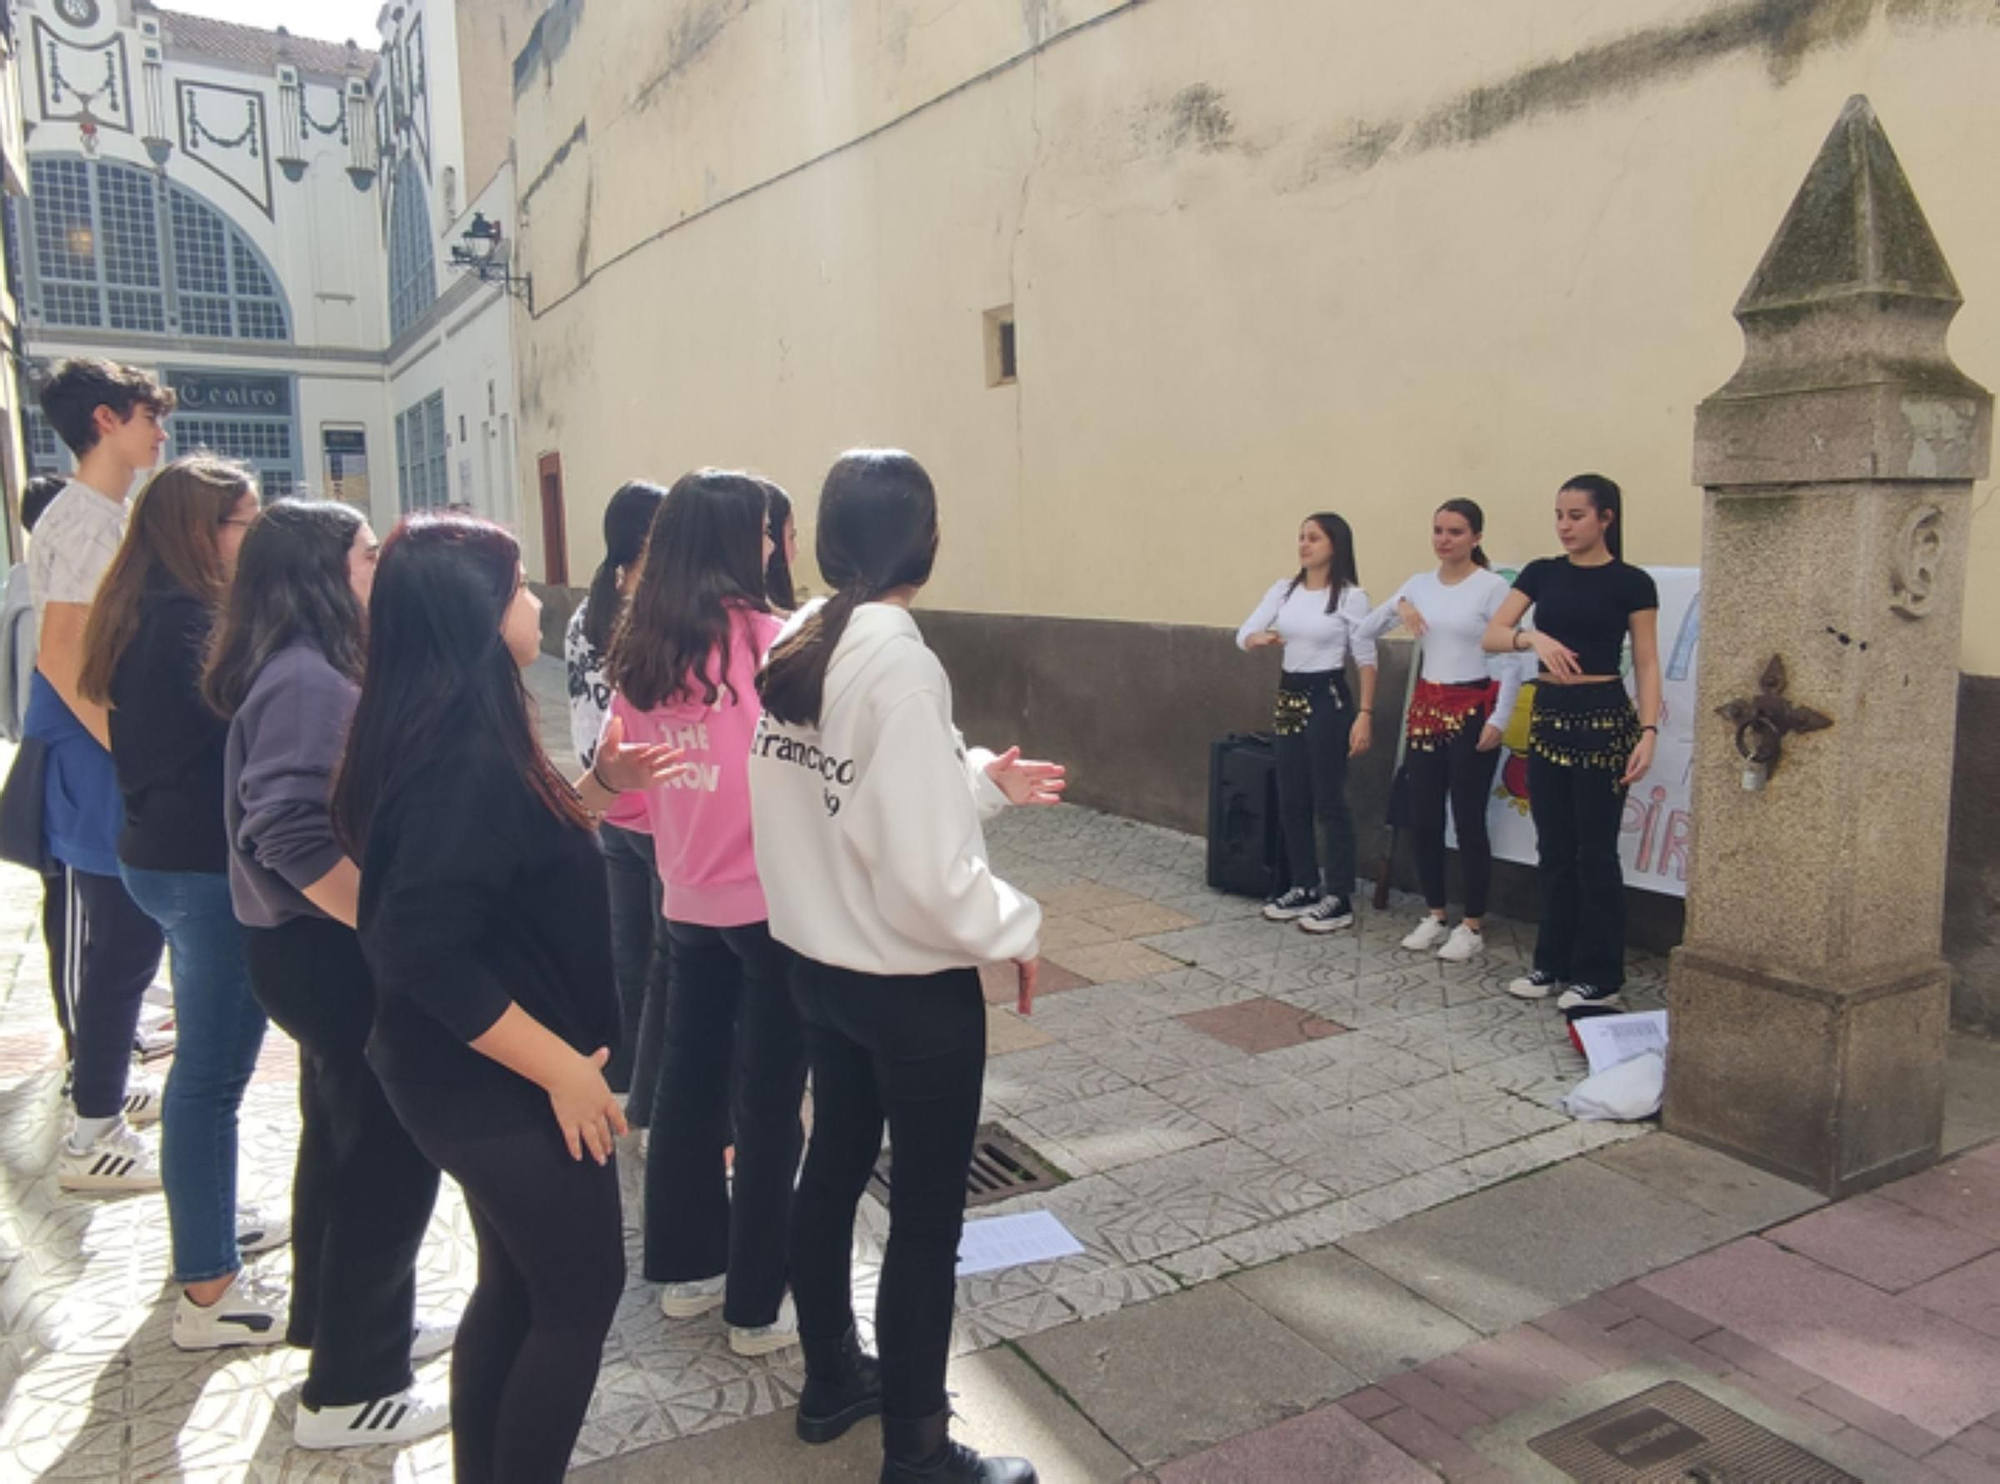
205	391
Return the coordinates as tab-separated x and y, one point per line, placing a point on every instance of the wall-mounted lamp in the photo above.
479	250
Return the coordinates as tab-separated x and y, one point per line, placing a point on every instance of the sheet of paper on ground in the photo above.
1013	1241
1611	1039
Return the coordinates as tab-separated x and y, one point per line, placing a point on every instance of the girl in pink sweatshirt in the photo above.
683	668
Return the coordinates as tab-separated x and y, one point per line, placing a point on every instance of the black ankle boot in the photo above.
922	1452
844	1387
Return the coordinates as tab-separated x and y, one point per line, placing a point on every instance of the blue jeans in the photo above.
220	1030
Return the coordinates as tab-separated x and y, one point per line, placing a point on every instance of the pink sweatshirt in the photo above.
701	820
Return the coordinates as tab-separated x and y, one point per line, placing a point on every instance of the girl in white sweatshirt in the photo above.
866	807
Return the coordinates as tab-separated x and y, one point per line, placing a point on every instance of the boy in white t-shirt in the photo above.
110	416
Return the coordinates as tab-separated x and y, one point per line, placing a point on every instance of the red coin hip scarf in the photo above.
1439	711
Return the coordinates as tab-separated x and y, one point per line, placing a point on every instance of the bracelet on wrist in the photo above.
598	779
1650	727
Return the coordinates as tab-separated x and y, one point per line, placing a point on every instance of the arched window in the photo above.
116	247
412	258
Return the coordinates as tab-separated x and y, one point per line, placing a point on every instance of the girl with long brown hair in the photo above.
144	649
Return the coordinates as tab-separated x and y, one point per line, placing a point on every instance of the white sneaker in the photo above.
118	1160
686	1300
248	1313
1534	985
143	1098
1427	935
402	1418
765	1339
432	1340
257	1231
1464	943
155	1036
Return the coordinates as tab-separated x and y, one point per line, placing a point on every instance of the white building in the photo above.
266	222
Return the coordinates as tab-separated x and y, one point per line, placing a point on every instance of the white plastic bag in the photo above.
1622	1094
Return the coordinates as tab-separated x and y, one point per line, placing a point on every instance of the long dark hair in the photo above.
705	562
175	530
291	584
877	532
1472	515
778	586
627	519
439	673
1343	573
1604	496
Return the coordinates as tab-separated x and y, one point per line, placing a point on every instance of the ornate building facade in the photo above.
266	222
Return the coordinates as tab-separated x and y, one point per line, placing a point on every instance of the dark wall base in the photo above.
1972	871
1131	708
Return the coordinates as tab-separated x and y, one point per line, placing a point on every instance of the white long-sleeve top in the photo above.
867	826
1455	619
1314	639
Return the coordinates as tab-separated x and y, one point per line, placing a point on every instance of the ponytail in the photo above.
627	519
1480	559
877	533
793	681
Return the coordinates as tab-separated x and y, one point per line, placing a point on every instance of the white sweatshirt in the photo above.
867	826
1315	640
1455	620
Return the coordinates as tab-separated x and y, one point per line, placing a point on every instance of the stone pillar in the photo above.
1810	1001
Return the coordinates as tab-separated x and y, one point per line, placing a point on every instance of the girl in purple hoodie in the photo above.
683	666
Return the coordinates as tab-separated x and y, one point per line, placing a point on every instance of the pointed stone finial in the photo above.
1846	375
1854	228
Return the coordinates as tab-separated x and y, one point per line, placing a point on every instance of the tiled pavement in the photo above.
1222	1092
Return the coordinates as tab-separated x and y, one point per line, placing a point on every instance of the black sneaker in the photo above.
1534	985
1328	915
1294	904
1587	994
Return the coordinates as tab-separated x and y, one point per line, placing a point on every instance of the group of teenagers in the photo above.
310	767
1589	738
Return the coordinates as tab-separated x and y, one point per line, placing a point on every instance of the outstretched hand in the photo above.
624	766
1026	781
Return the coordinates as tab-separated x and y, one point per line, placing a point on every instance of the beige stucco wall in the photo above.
490	33
1265	257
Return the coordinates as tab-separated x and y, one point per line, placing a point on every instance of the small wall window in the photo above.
1000	353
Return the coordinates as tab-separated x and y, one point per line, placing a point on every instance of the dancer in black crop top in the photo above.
1586	743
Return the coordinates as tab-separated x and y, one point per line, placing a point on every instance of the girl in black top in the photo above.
484	920
1586	743
143	652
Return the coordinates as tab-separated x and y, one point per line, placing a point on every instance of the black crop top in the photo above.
1587	608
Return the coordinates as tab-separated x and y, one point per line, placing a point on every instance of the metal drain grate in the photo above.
1673	1433
1002	1167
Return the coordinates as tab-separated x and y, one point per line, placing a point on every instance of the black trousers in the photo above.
733	1057
362	1193
638	965
1312	724
114	950
1578	812
1454	770
910	1052
551	1269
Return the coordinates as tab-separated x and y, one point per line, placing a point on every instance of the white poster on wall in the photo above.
1654	842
